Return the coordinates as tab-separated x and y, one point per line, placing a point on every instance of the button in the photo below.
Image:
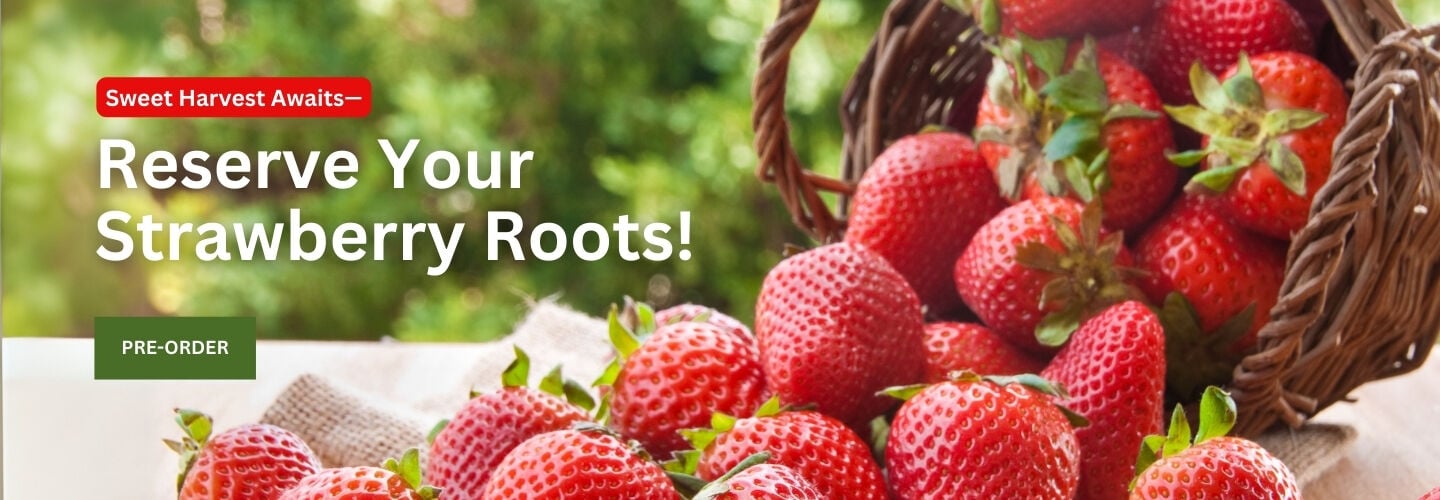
174	348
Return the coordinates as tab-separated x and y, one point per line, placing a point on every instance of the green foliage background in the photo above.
632	106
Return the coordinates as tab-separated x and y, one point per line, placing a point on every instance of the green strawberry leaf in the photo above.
1278	122
689	486
197	425
1287	166
435	431
1149	454
1000	85
903	392
1216	179
770	408
1038	256
621	337
1178	438
1127	110
722	422
1207	88
1204	121
700	438
1066	234
990	17
1242	89
1031	381
553	383
517	374
1240	151
1188	158
1047	54
683	462
1055	328
720	485
1075	418
1076	136
1217	414
1079	181
1080	92
645	319
578	396
879	436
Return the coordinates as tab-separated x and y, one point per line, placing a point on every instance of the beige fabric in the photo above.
347	426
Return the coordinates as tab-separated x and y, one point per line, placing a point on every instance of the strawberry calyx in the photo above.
408	468
1242	130
1197	358
700	439
1217	417
1028	380
517	374
721	485
1087	278
628	328
197	427
1056	124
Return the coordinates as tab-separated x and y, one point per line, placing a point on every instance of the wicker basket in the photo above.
1361	296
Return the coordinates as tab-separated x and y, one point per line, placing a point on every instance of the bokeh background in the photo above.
632	107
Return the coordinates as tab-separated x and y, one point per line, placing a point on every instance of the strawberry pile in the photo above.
1007	315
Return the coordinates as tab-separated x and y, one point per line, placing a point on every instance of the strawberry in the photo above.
918	205
951	347
754	479
679	376
836	325
1086	124
1032	277
1215	32
1432	495
589	462
981	439
819	448
395	480
250	462
1269	130
1225	280
703	314
1114	370
1059	18
467	448
1212	465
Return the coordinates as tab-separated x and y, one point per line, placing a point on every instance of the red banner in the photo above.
233	97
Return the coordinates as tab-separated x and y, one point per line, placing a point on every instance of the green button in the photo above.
130	348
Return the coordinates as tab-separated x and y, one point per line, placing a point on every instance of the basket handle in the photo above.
778	163
1364	23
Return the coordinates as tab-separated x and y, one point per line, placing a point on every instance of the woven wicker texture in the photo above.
1361	298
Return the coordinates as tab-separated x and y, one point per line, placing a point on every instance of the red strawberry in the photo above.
250	462
1061	18
1432	495
703	314
981	439
1269	130
918	205
1226	278
951	347
468	447
1091	129
1030	275
678	378
755	480
1220	268
819	448
1215	32
393	481
836	325
1114	370
587	462
1213	466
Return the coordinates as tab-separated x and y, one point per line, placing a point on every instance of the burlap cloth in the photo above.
348	425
